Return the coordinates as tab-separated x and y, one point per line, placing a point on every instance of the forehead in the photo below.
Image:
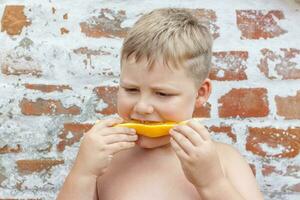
159	73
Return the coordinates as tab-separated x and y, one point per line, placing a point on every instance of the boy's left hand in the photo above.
197	153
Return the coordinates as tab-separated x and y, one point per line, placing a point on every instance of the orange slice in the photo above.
154	129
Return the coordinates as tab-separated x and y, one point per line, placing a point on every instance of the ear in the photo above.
204	92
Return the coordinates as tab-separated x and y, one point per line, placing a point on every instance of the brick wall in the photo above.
59	70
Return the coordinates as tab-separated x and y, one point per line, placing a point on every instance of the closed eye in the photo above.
164	94
131	89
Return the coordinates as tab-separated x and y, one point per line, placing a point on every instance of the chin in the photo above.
152	143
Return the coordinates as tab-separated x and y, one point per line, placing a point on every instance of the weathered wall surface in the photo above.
59	64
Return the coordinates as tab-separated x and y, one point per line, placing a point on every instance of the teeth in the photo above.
143	121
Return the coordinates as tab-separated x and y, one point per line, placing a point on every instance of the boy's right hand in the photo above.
99	145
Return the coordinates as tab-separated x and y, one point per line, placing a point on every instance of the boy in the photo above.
165	61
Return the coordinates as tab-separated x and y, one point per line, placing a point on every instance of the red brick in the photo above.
109	96
208	18
77	131
47	88
101	26
244	102
30	166
288	107
256	24
47	107
223	130
288	139
203	111
229	66
14	20
8	149
281	64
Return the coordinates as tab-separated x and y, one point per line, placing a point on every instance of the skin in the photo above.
207	169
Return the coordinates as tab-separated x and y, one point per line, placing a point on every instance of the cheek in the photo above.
178	110
124	105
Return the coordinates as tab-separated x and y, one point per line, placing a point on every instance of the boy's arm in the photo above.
79	187
240	183
97	147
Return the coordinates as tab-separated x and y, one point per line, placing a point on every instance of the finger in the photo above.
190	133
108	122
200	129
110	139
119	146
178	150
182	141
118	130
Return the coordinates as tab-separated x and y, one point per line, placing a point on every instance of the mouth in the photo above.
145	121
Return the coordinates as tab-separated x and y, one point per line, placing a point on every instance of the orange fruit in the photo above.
153	129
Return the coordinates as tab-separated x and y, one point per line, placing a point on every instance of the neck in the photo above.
152	143
165	149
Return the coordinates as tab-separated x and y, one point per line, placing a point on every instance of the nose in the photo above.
143	107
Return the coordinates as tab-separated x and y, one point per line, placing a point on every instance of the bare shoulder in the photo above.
228	151
238	171
224	147
232	159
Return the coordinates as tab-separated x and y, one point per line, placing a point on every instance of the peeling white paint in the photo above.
54	55
271	150
220	74
222	138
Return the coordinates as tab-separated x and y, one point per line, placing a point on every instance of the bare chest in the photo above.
146	179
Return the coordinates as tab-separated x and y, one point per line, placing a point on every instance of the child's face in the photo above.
156	95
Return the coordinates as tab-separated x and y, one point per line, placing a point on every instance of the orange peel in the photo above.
151	129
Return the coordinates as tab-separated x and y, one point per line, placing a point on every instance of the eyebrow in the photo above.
155	87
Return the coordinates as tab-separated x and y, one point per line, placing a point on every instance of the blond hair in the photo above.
175	36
